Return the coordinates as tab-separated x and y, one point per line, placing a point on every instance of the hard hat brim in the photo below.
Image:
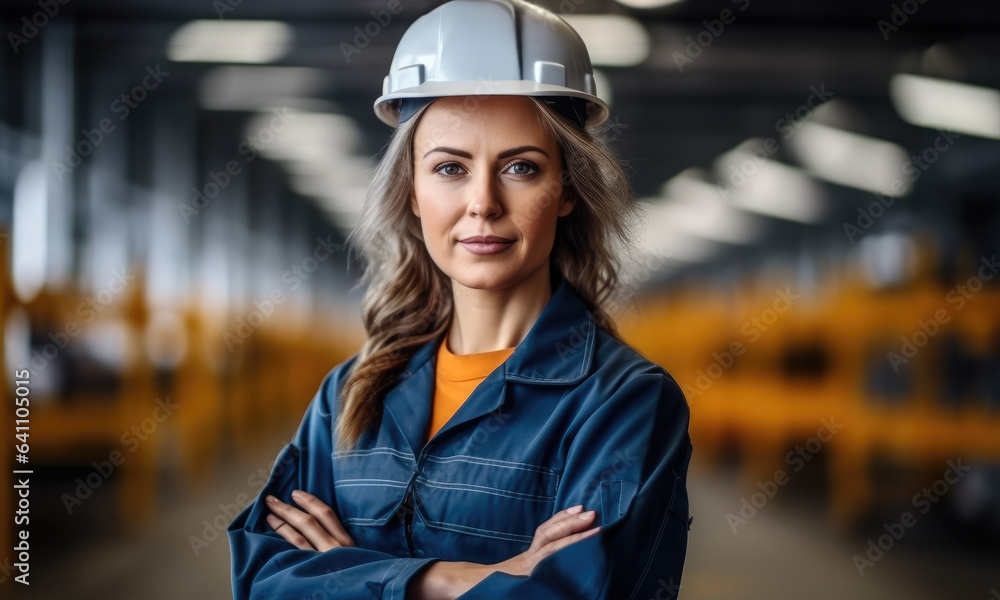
387	110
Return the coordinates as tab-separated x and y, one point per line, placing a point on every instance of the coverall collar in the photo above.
557	350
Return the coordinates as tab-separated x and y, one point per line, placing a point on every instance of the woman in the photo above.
494	436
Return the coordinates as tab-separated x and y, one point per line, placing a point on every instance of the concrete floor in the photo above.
788	550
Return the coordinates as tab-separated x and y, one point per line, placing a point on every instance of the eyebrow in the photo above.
502	155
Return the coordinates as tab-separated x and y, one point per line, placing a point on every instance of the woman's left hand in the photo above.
318	528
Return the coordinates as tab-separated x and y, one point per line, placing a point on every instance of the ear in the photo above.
568	202
414	207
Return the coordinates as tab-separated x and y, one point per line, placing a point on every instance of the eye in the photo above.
449	169
522	168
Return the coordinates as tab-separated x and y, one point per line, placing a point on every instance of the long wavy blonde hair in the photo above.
408	301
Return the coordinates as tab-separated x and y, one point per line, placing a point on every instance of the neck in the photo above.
487	320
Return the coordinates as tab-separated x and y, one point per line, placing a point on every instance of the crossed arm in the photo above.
315	526
628	462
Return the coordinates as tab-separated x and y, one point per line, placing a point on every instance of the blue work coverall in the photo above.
571	417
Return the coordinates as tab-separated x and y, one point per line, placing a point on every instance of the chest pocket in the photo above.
486	497
616	498
370	486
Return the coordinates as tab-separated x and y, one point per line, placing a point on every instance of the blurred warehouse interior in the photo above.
177	178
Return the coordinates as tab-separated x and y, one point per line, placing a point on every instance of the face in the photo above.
485	166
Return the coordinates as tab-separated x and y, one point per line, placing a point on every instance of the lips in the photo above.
486	239
486	244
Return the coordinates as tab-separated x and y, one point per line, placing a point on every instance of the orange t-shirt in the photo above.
457	375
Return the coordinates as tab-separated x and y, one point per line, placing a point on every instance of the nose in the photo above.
484	199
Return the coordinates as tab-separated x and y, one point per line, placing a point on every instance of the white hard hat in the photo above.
491	47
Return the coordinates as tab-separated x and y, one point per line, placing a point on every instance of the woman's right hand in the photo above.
316	528
562	529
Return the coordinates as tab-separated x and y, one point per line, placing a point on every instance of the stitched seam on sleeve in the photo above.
387	569
392	588
656	544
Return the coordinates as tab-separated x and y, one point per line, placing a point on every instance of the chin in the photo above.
480	283
486	279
